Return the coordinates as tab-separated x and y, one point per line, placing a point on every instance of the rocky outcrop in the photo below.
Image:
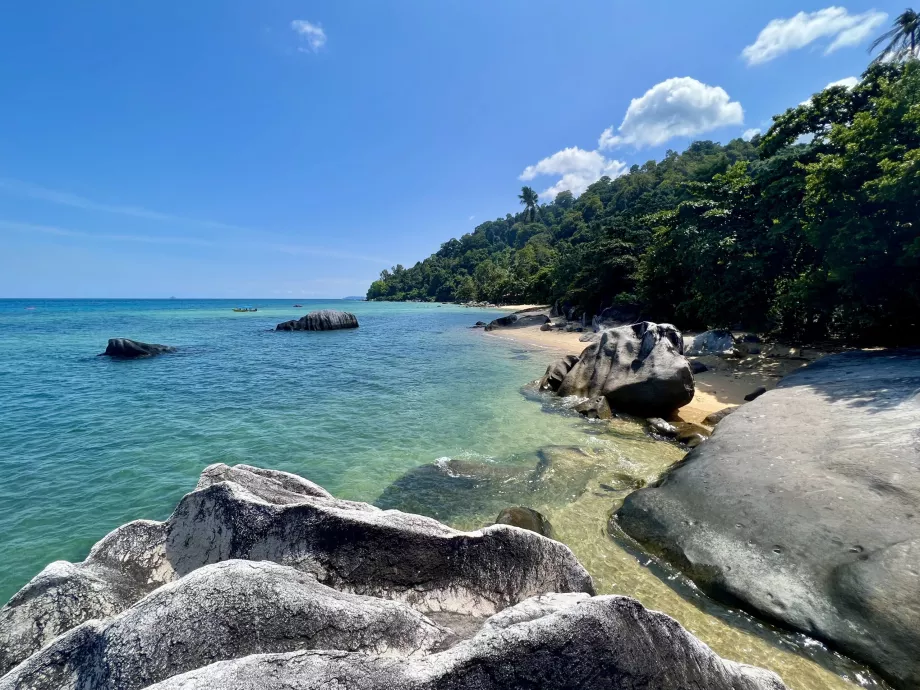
611	317
804	508
594	408
244	512
525	518
262	580
601	643
520	320
639	369
322	320
124	348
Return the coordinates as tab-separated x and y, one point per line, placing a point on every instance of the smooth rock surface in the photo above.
804	507
715	417
709	343
125	348
520	320
525	518
322	320
640	369
557	371
602	643
595	408
249	513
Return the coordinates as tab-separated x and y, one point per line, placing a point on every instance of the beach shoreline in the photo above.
724	384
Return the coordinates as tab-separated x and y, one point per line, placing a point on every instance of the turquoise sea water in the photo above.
87	443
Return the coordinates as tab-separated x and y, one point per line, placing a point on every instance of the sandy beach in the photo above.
724	385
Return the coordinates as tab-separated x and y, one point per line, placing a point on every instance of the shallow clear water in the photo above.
412	410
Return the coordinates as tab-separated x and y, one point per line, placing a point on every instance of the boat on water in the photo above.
297	305
245	309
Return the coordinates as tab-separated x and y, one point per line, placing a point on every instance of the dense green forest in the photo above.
811	231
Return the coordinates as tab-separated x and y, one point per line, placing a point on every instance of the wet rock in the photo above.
601	643
525	518
711	342
557	371
804	508
659	426
756	393
715	417
322	320
638	368
595	408
244	512
124	348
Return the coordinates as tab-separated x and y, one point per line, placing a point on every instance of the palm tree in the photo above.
902	38
528	198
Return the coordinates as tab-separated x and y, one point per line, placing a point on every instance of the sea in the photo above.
414	410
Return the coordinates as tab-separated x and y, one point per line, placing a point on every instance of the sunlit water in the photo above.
413	411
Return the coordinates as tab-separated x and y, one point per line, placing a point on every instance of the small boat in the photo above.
246	309
297	305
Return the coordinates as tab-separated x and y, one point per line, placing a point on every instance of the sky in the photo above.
241	149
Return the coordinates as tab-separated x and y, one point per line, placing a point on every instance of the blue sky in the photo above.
222	148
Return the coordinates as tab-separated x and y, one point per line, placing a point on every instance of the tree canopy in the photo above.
811	231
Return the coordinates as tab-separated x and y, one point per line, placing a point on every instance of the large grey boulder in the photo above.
640	369
600	643
125	348
322	320
248	513
520	320
710	343
804	507
223	611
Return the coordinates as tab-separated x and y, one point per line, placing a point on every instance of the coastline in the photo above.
724	384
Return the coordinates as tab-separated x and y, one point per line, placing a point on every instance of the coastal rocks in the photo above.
224	611
557	371
595	408
715	417
639	369
599	643
804	508
659	426
754	394
710	343
249	513
525	518
611	317
520	320
322	320
697	367
124	348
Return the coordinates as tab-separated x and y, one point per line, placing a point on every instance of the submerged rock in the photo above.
595	408
322	320
804	508
639	369
125	348
525	518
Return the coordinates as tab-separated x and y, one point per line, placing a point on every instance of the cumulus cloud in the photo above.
750	133
311	35
833	25
577	169
848	82
677	107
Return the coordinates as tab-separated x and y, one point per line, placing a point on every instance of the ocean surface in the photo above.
413	410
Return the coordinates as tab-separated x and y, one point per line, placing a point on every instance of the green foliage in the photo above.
812	231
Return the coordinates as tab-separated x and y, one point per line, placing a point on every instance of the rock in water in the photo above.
322	320
557	371
804	507
525	518
595	408
520	320
124	348
262	580
640	369
715	417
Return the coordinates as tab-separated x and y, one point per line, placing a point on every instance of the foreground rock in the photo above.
124	348
262	580
322	320
639	369
601	643
526	518
804	507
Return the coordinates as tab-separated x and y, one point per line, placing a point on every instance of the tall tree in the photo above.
902	39
528	199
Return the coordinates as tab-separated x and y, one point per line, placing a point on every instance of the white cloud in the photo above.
836	24
578	169
848	82
312	35
677	107
750	133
